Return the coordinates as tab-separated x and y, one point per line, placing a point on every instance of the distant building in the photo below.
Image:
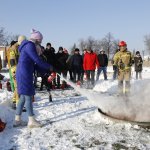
3	55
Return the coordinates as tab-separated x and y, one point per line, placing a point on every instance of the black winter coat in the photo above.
50	56
77	62
61	61
138	63
103	60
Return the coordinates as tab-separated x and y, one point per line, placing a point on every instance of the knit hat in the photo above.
137	52
12	43
65	51
36	35
60	48
102	50
20	39
76	50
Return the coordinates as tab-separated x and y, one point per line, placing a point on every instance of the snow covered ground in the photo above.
72	122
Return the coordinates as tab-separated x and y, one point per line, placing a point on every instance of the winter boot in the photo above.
19	122
33	123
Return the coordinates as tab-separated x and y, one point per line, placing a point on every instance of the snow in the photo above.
73	122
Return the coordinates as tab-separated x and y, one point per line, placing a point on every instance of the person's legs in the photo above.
136	74
120	87
120	82
92	77
115	74
140	74
29	106
88	78
74	76
127	81
79	74
71	74
32	123
105	73
20	105
98	73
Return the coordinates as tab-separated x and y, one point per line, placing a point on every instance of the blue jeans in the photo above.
100	69
27	100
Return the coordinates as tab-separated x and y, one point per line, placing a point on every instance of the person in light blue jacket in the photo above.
28	62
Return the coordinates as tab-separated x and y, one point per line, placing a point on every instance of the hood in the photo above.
24	42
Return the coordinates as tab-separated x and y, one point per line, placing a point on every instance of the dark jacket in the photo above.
61	61
26	66
77	62
103	60
50	57
138	63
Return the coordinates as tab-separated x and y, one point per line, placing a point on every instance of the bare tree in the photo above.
147	42
3	38
114	46
82	45
6	38
91	43
87	44
73	48
107	43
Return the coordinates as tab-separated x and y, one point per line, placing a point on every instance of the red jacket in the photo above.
90	61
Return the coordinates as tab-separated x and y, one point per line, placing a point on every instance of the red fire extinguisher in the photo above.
8	86
0	85
51	77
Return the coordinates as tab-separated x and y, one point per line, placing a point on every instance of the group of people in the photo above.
75	64
27	58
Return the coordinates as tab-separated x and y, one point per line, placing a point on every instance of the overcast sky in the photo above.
65	22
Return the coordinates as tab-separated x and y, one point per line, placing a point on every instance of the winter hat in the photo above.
20	39
102	50
137	52
65	51
48	44
36	35
60	48
12	43
76	50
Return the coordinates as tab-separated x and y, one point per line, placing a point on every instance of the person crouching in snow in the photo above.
28	62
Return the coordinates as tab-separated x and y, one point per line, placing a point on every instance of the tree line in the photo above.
108	43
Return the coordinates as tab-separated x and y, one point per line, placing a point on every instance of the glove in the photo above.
14	75
114	67
51	77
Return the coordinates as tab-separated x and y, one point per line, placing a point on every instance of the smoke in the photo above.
135	107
